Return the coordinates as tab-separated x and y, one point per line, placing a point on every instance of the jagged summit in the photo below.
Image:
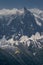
18	25
20	37
26	11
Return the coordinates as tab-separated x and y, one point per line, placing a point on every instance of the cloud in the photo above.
10	11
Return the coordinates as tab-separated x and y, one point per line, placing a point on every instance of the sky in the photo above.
9	4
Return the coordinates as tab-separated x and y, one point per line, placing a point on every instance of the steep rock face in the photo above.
21	39
18	25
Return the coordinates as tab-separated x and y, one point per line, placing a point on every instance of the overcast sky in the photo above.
21	3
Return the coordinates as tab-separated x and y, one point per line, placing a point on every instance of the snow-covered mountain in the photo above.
21	35
20	22
38	16
31	48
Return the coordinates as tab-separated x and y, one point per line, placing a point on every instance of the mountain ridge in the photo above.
27	23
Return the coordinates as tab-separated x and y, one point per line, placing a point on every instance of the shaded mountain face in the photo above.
22	42
7	59
11	57
18	25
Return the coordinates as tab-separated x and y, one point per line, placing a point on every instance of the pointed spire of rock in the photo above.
26	11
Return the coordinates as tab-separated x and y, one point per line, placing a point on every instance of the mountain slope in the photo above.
20	23
21	37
